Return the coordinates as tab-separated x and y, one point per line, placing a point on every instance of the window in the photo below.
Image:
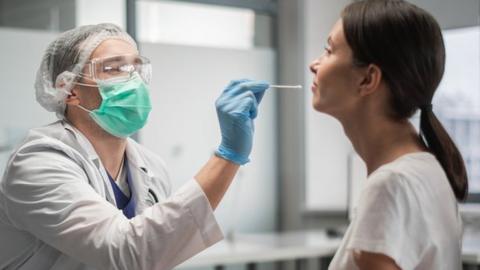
195	24
457	101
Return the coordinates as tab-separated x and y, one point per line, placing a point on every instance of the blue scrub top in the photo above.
124	203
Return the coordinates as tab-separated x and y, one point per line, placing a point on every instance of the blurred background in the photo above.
304	175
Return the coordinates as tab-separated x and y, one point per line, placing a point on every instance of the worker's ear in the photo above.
64	81
73	98
370	79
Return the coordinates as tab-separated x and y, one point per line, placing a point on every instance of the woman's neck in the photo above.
379	140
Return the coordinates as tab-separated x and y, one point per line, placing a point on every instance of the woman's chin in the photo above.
321	107
318	106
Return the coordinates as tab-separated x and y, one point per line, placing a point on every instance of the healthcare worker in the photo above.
383	61
80	194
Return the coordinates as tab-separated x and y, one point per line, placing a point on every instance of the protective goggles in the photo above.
118	68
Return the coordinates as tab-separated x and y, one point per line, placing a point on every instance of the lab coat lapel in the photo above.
140	177
86	149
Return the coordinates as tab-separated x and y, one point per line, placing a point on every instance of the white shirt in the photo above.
409	213
57	209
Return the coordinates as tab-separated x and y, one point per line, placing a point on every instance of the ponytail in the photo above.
441	145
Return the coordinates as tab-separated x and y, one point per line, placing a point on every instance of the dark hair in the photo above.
406	43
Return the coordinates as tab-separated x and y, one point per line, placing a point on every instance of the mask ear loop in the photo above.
83	108
83	84
80	106
86	84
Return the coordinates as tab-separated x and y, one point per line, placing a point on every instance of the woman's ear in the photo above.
371	77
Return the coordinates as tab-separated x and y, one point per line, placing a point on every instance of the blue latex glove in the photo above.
236	109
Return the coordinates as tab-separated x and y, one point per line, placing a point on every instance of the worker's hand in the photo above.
236	109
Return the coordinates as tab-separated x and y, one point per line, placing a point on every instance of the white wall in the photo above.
20	54
183	126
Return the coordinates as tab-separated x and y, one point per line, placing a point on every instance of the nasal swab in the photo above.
286	86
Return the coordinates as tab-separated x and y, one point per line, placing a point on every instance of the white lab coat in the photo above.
57	209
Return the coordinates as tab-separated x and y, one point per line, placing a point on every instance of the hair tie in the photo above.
426	108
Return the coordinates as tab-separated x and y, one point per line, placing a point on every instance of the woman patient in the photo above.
383	61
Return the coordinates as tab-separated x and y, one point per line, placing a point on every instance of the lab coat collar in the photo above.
84	143
136	163
133	156
135	159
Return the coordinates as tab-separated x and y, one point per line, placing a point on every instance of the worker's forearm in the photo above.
215	178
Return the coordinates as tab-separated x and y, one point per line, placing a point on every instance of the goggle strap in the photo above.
86	84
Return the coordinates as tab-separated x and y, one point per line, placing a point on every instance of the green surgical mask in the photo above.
125	106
